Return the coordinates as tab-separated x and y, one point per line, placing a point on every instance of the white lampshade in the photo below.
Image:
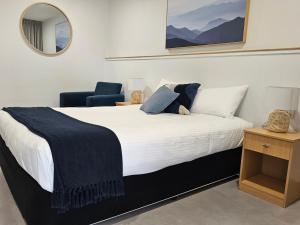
136	84
283	98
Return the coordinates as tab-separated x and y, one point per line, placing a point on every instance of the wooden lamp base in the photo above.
278	122
136	97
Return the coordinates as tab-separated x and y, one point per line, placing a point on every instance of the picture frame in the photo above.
208	22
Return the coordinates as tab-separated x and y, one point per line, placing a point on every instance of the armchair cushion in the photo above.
74	99
104	88
104	100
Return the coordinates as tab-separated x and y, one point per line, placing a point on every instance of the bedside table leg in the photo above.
292	191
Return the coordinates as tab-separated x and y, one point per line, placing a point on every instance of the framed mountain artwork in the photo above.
62	35
206	22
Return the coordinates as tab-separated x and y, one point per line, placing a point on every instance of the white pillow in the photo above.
166	82
222	102
171	84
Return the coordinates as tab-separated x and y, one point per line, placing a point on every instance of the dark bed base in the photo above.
141	190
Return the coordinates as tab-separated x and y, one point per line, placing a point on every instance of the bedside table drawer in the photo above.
268	146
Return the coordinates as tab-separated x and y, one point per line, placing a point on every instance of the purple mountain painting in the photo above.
194	22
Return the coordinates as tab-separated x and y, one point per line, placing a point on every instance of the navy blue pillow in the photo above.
159	101
184	102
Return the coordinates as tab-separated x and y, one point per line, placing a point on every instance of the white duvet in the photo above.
149	142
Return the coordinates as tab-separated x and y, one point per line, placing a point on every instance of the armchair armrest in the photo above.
104	100
74	99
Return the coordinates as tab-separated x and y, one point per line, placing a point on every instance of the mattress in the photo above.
149	142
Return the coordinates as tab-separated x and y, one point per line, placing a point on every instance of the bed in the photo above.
164	156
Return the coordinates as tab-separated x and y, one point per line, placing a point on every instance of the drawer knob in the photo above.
266	145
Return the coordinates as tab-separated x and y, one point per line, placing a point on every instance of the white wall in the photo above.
137	27
49	35
29	79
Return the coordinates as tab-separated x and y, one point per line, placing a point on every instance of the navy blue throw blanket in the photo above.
87	158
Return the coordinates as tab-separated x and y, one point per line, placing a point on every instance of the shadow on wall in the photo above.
296	121
148	92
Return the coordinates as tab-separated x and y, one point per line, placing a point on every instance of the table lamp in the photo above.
282	106
136	86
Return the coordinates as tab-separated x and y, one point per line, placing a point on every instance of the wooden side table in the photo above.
123	103
270	167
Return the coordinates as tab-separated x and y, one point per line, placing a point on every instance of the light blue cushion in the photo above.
159	101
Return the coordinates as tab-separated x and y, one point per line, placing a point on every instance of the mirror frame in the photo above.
28	42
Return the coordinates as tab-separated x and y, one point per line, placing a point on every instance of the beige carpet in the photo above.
222	205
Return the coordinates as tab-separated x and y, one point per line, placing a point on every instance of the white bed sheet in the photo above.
149	142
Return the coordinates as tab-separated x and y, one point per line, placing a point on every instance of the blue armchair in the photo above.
105	94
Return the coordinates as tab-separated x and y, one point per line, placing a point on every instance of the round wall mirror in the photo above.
46	29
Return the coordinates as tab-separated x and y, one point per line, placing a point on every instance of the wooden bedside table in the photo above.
270	167
123	103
